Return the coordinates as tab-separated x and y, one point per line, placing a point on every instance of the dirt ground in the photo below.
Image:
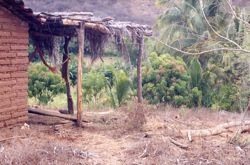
110	138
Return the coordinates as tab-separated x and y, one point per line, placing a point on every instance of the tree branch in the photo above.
235	14
239	48
225	38
202	52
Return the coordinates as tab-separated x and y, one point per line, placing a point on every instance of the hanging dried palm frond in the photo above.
49	46
97	42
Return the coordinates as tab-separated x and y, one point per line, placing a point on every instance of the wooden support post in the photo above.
140	41
80	37
65	76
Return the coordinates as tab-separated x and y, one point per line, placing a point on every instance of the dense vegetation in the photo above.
201	70
43	84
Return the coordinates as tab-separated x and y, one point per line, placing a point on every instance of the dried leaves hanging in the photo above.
49	45
97	42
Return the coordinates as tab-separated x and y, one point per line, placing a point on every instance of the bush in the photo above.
73	63
165	79
226	98
118	83
43	84
93	86
108	84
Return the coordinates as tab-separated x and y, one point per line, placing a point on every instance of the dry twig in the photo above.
15	137
184	146
216	130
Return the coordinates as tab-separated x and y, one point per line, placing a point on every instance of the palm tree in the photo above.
183	25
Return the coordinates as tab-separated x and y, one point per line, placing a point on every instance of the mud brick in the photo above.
2	124
4	34
5	62
4	69
22	106
19	101
5	89
4	76
7	82
5	103
22	119
22	54
10	122
14	41
4	47
19	74
19	47
5	117
20	35
20	61
22	80
4	55
23	67
22	94
19	114
7	95
8	109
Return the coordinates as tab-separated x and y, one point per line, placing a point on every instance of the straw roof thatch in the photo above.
44	27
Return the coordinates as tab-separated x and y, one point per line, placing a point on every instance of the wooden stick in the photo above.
215	130
80	37
53	69
140	42
33	55
15	137
65	75
98	27
53	114
184	146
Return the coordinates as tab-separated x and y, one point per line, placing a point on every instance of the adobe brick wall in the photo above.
13	69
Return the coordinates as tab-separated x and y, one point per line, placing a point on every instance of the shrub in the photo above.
226	98
73	63
165	79
93	86
108	84
43	84
118	83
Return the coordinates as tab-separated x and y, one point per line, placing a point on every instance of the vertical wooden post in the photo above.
80	37
140	41
65	75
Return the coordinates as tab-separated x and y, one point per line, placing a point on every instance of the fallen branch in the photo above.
215	130
15	137
145	152
184	146
55	114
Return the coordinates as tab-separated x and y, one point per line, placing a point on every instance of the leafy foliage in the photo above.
184	27
165	79
93	86
195	72
43	84
226	98
118	84
108	84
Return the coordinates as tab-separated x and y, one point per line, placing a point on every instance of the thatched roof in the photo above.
44	27
63	24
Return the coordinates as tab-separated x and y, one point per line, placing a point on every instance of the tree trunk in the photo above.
55	114
80	37
140	42
65	76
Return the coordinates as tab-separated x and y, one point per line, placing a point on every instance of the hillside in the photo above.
139	11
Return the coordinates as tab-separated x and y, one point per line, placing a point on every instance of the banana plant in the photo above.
195	72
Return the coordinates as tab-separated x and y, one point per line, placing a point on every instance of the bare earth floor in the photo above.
109	140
